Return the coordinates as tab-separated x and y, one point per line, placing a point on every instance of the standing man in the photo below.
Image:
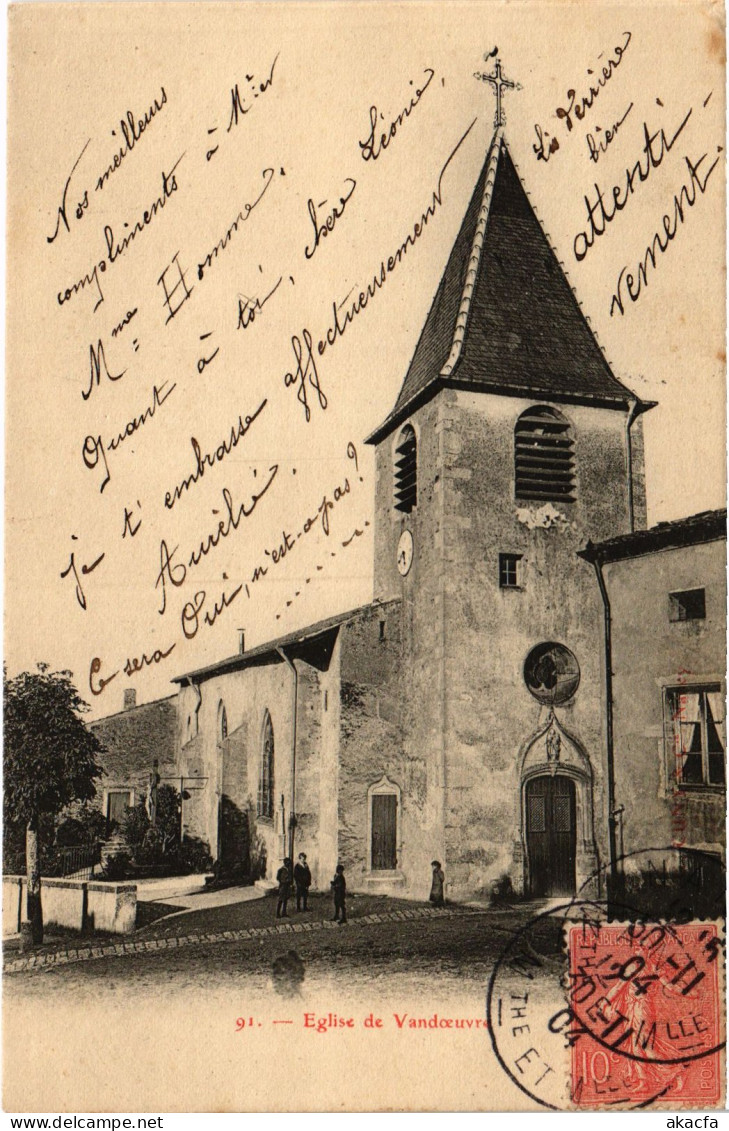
283	876
302	879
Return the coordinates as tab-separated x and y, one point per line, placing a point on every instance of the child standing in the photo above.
284	889
339	888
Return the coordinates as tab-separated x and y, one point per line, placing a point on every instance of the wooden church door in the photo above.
384	831
551	835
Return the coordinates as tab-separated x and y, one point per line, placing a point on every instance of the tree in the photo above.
49	761
87	827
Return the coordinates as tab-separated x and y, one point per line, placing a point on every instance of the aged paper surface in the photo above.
226	228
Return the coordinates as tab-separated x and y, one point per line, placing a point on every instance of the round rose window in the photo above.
551	673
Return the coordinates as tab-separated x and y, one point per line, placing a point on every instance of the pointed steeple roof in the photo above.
504	318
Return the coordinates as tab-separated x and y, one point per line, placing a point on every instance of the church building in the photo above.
463	715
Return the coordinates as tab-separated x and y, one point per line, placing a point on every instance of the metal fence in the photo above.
78	861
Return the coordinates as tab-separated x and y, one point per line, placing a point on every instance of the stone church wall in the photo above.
246	695
422	592
312	721
373	757
330	770
228	769
470	726
494	726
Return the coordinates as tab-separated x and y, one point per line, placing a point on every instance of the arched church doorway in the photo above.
551	835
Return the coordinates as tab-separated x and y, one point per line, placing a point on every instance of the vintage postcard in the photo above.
365	557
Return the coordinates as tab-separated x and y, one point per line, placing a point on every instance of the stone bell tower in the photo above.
511	444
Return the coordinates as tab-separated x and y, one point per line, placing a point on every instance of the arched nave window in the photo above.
265	777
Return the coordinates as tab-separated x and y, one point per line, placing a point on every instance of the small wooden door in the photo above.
384	831
551	835
117	802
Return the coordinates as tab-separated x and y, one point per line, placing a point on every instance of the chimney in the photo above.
130	698
241	641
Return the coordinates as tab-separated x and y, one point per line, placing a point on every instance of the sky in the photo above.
183	216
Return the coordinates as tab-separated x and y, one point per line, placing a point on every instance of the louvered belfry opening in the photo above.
544	456
406	471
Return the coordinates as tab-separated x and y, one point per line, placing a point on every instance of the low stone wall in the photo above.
13	888
81	905
62	902
111	907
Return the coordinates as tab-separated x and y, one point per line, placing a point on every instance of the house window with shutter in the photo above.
544	456
694	727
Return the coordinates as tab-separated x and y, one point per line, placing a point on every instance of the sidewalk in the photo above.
199	900
169	887
73	952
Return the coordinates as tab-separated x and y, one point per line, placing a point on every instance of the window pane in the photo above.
509	570
685	708
691	742
690	604
265	780
715	702
717	774
714	743
694	736
691	772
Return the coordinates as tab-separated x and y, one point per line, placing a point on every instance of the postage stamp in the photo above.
587	1012
647	999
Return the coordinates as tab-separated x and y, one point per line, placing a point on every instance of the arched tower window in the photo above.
265	777
544	456
406	470
222	723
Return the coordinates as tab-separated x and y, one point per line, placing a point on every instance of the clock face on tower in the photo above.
405	552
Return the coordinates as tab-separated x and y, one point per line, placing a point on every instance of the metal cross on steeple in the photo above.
499	83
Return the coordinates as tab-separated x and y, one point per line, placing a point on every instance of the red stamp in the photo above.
648	1025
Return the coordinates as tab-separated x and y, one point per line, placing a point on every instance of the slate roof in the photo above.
311	639
504	318
707	526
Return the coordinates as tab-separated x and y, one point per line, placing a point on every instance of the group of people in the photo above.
300	875
302	881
